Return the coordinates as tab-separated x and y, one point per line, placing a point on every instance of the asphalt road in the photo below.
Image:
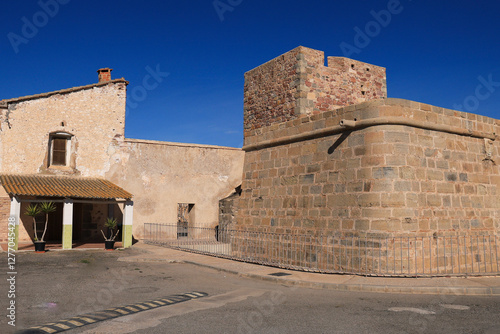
58	285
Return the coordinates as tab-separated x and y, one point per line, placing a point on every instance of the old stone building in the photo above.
327	150
69	147
328	154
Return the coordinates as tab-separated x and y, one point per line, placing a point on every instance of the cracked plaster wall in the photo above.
161	175
95	117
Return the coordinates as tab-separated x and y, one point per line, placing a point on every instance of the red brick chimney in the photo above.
104	74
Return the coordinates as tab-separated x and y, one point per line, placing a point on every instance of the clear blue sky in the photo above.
446	53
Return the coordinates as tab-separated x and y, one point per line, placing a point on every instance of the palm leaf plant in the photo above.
111	224
33	210
46	208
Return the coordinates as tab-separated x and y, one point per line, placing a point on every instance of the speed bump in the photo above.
111	313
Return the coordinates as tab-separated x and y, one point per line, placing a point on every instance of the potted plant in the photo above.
109	242
34	210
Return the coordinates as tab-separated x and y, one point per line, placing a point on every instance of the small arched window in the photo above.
60	149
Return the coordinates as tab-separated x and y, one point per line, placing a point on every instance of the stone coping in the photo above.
390	107
166	143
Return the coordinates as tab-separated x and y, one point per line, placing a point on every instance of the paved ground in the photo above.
29	246
59	285
436	285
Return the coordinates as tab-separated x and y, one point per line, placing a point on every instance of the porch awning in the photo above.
60	186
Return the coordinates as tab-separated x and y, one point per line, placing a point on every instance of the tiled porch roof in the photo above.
60	186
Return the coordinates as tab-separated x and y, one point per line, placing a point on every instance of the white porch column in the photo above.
67	239
15	213
128	217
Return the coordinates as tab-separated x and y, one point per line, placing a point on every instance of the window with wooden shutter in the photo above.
59	151
60	145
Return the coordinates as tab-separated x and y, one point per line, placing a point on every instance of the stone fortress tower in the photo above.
327	152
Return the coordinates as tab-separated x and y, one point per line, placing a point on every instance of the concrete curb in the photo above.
428	290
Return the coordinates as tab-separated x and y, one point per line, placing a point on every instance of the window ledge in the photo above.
66	168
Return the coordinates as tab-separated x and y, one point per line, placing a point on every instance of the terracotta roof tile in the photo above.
59	186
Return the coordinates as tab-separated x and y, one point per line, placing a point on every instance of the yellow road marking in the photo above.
131	308
87	319
114	312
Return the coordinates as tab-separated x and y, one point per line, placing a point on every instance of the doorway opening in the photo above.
185	219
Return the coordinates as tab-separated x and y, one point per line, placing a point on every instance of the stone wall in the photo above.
414	169
95	116
228	210
161	175
298	83
158	174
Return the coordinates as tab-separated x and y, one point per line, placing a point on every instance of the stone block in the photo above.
341	200
392	200
306	179
445	188
369	161
435	175
385	172
376	213
397	137
362	224
434	200
369	200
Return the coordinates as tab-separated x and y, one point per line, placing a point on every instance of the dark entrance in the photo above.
185	219
54	225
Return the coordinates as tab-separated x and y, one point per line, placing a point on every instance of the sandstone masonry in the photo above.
299	84
394	167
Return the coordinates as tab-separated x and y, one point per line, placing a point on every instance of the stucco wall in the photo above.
94	116
161	175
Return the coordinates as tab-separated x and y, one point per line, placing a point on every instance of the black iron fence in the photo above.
455	255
